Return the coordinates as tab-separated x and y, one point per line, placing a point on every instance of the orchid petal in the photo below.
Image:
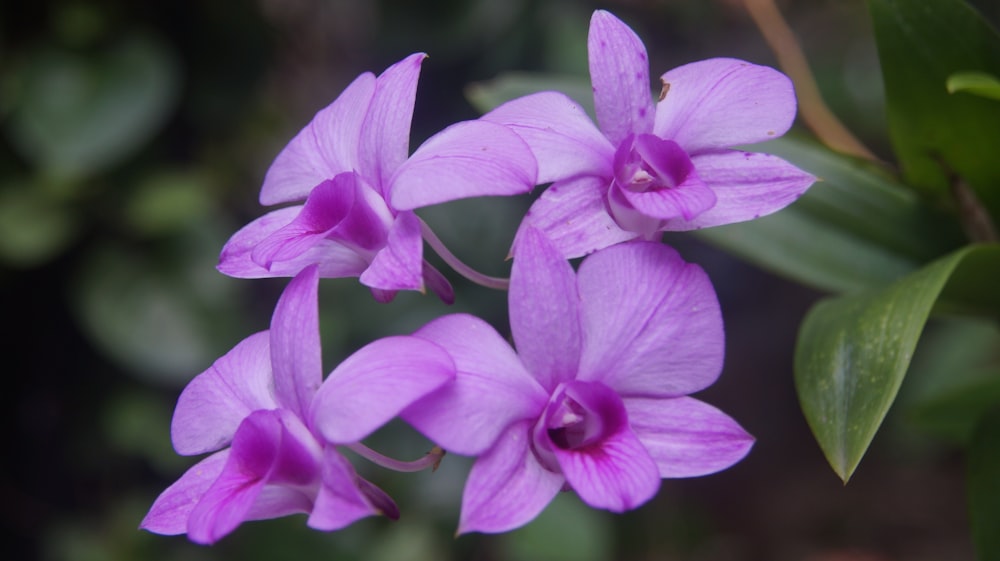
295	343
491	389
340	502
673	189
630	218
641	154
687	201
293	460
619	73
326	147
573	216
235	259
383	296
271	449
223	507
747	185
468	159
507	487
651	322
335	259
687	437
275	501
438	284
399	265
385	135
170	512
544	310
379	499
216	401
723	102
326	206
377	382
614	472
617	475
288	457
560	134
227	502
367	224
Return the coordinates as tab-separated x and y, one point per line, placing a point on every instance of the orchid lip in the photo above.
574	420
571	426
655	181
646	162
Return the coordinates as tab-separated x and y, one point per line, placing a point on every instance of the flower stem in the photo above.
455	263
431	460
972	215
792	60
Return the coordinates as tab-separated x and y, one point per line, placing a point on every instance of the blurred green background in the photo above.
133	141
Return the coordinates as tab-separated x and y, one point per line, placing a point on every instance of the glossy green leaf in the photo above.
73	116
853	351
856	228
983	486
938	136
976	83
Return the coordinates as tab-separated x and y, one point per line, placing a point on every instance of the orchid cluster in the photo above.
594	394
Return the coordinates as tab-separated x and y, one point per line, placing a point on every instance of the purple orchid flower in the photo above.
595	398
350	165
274	424
652	169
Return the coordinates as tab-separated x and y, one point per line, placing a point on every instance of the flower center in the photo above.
655	182
647	162
579	415
571	426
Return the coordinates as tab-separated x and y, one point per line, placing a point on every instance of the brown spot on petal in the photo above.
666	88
770	133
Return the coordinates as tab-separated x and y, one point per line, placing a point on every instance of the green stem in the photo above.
431	460
814	111
455	263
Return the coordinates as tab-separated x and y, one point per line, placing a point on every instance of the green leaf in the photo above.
856	228
954	379
983	486
953	414
977	83
853	351
73	116
484	96
938	136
